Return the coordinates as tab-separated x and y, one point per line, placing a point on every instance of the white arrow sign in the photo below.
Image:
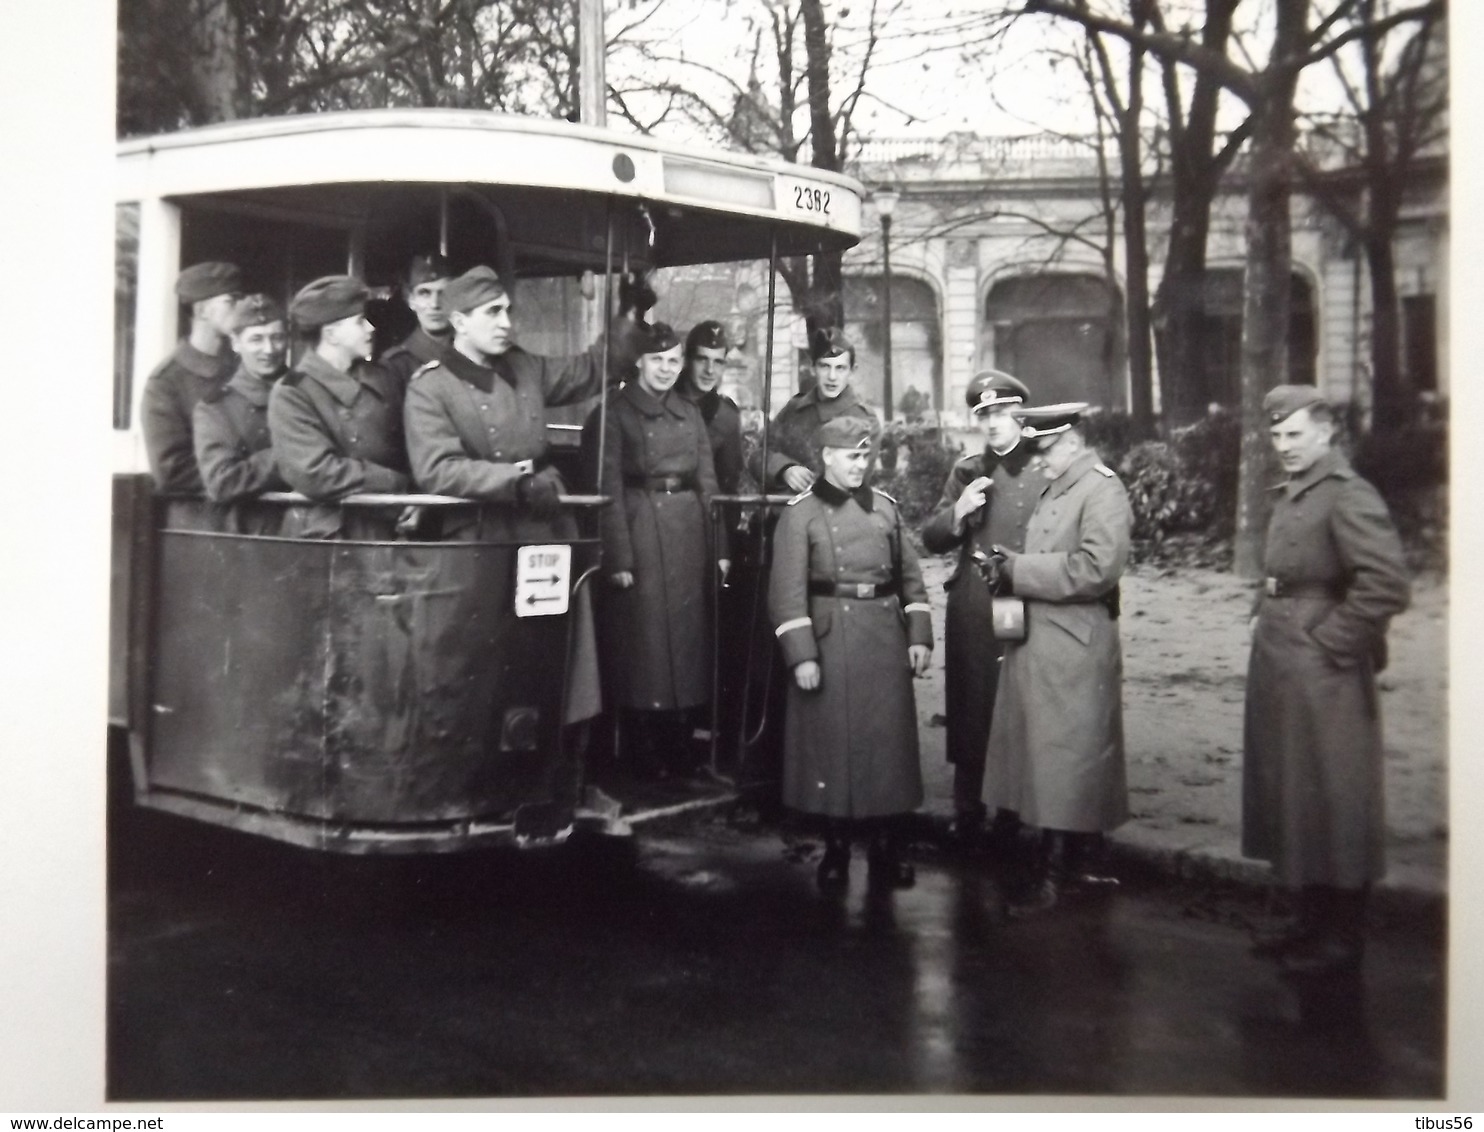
543	576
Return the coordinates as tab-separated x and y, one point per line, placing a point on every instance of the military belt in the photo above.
1281	587
861	590
665	484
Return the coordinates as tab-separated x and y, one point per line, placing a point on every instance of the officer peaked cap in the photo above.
659	337
328	299
1285	400
844	432
1049	420
202	281
427	268
474	288
255	310
991	387
708	335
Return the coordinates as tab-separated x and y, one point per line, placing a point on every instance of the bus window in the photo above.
125	293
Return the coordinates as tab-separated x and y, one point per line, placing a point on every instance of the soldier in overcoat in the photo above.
854	626
230	427
200	364
427	278
657	554
476	428
336	418
987	501
705	361
1312	759
793	453
1056	741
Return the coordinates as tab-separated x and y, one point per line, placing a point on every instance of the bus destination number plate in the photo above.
808	200
543	577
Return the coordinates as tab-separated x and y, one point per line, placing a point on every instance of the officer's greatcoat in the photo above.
791	436
657	466
336	434
1312	766
1056	742
170	396
235	453
468	427
972	654
850	746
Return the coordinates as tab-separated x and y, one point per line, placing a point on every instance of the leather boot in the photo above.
1087	863
1338	946
1041	886
833	875
885	858
1276	941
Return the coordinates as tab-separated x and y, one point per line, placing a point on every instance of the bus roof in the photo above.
705	205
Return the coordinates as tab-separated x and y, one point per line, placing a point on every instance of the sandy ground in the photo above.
1185	660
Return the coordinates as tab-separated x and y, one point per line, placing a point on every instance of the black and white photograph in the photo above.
722	552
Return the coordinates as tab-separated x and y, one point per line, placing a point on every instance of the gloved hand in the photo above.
541	493
635	295
1006	561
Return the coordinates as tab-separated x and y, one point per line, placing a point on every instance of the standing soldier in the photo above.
853	622
428	277
1312	760
200	363
986	502
793	453
1056	741
705	362
476	428
336	419
233	446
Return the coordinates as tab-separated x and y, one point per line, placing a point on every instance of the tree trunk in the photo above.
1179	308
825	305
1389	400
1266	294
1136	252
217	73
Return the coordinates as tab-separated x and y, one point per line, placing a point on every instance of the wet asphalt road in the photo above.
240	969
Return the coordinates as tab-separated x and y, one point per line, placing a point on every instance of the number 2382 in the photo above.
812	200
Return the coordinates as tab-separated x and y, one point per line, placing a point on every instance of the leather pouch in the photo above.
1007	618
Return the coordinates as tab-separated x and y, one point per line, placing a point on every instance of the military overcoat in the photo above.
724	427
850	746
166	411
468	427
335	434
972	655
412	353
1312	800
1056	741
657	466
235	453
791	435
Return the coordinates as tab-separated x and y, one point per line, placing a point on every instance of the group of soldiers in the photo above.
1039	526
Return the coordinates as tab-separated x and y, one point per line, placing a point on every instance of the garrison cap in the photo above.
474	288
829	341
990	388
846	431
202	281
255	310
657	338
1050	420
328	299
1285	400
426	268
709	335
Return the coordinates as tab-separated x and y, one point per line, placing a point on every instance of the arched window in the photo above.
1058	332
1219	380
916	342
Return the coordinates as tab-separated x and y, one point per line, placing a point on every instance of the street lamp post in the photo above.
885	199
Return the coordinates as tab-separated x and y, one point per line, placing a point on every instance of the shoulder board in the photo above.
803	495
892	499
1103	469
395	351
215	395
422	369
291	379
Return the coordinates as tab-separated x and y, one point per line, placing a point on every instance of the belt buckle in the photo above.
525	467
865	589
1272	586
672	484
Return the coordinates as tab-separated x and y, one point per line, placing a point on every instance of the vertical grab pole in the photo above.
443	221
768	349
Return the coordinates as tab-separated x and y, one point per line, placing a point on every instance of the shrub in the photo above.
922	467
